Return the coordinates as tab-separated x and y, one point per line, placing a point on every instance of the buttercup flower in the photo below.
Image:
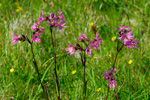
98	89
130	62
91	24
113	38
11	70
74	71
24	16
19	9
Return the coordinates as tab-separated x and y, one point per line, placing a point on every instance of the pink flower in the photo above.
81	37
112	84
126	37
95	42
129	35
15	39
88	51
123	29
41	17
56	21
70	49
35	38
35	26
108	75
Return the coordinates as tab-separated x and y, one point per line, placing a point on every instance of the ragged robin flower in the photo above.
16	39
126	37
52	21
70	49
95	44
108	75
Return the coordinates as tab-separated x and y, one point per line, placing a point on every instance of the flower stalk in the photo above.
95	44
37	70
107	93
118	50
83	59
55	68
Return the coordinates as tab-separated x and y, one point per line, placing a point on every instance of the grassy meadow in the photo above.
18	78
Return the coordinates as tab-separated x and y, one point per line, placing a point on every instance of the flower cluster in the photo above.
108	75
126	37
16	39
95	44
52	21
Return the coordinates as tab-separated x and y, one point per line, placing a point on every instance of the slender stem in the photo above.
84	82
37	70
55	69
118	50
107	93
115	60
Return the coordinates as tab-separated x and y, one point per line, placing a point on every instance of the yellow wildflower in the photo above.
11	70
116	1
27	66
42	2
98	89
21	67
91	24
4	22
113	38
93	58
16	3
19	9
0	4
24	16
85	7
74	71
45	65
130	62
97	17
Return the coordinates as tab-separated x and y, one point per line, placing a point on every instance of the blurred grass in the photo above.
133	80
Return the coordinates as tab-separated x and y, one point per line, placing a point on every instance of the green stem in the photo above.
107	93
55	69
118	50
37	70
84	82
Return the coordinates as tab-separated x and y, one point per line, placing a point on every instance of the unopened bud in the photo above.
116	96
78	45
